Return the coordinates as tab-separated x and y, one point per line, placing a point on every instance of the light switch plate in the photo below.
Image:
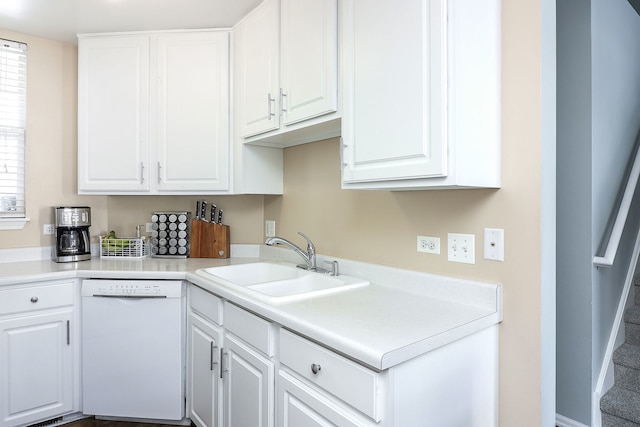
461	248
494	244
269	228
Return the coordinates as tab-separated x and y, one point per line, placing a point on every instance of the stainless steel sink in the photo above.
278	283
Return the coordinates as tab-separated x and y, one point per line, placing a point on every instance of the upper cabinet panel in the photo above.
113	114
257	41
192	112
287	63
153	113
421	97
309	66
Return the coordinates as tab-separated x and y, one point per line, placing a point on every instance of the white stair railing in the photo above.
606	259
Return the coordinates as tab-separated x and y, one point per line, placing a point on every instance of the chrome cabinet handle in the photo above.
141	172
34	299
222	369
269	101
343	163
283	95
315	368
159	173
213	353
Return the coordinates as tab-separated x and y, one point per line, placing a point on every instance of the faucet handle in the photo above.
310	246
334	267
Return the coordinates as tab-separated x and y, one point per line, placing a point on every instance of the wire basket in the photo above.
123	247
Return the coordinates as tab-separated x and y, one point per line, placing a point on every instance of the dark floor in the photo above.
92	422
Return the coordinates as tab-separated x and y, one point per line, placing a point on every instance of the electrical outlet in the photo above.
148	227
462	248
48	229
269	228
430	245
494	244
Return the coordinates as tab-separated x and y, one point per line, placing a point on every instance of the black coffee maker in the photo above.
72	234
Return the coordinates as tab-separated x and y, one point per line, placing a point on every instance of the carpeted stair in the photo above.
620	406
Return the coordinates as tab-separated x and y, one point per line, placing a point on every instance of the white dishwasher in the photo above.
133	349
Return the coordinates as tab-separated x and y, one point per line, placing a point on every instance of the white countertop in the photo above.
402	314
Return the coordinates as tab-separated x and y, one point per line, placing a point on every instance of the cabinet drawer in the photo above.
358	386
251	328
36	297
205	303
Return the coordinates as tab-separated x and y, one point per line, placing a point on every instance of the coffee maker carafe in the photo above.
72	234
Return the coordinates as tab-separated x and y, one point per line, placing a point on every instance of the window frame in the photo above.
13	88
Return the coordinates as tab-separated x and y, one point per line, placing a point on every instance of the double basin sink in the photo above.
278	283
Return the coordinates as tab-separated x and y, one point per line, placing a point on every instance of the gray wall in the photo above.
615	29
598	119
573	269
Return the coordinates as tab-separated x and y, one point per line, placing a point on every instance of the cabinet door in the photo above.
192	111
36	368
258	57
249	386
113	114
299	405
204	372
309	66
394	117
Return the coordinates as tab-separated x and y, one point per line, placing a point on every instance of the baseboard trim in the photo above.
562	421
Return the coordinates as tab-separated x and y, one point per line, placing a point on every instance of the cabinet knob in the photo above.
315	368
34	299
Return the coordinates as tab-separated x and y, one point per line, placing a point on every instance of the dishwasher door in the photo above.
132	350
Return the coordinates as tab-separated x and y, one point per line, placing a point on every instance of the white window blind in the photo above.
13	96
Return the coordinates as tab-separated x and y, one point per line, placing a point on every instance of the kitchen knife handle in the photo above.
220	216
213	213
197	209
203	210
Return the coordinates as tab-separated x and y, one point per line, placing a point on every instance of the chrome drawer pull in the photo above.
315	368
34	299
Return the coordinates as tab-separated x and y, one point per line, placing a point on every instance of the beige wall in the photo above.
381	226
51	153
378	227
243	214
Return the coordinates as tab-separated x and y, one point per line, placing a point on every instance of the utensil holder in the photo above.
209	240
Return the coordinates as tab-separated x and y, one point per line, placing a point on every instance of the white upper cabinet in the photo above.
113	114
287	63
421	94
309	64
256	41
154	113
192	118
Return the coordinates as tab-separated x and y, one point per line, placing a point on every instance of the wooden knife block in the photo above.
209	240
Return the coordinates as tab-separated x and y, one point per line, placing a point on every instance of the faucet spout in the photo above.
309	256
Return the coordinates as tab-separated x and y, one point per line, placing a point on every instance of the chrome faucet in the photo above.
309	256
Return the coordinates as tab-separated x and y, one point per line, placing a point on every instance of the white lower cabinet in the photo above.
37	347
230	370
453	385
248	369
204	371
301	405
248	385
204	347
270	376
331	390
